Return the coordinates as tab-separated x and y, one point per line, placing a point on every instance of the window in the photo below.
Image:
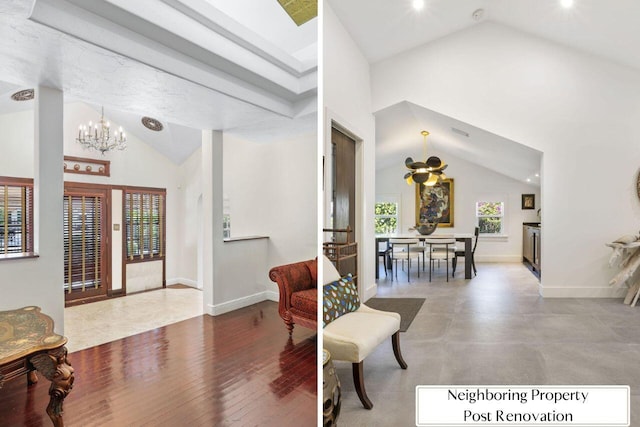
16	215
490	217
144	223
386	217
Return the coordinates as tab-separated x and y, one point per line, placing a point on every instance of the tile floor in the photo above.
494	329
105	321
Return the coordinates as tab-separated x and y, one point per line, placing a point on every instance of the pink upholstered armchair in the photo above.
298	293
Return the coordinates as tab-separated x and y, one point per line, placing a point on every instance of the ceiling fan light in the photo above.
433	180
408	162
421	177
434	162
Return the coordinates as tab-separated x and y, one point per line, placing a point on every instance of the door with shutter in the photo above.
86	242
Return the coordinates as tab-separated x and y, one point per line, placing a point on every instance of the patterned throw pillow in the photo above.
339	297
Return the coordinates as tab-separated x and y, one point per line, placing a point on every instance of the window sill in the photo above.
24	255
242	238
494	237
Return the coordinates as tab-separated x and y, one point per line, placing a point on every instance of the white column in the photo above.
48	198
212	202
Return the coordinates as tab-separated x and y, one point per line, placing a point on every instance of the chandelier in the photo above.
97	136
428	172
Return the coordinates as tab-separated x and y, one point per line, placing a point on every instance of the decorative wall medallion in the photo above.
23	95
152	124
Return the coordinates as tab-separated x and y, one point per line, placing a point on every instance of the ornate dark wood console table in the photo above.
27	344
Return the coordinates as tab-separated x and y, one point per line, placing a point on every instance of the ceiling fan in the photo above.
428	172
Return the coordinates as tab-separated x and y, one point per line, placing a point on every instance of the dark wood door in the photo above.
344	190
86	241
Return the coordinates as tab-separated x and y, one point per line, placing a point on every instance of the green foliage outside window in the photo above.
490	215
386	218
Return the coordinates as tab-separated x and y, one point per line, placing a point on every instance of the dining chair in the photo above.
460	253
383	251
439	251
420	248
401	250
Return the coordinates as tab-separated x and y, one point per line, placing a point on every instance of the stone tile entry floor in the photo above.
99	322
494	329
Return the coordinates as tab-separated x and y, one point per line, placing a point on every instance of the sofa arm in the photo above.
293	278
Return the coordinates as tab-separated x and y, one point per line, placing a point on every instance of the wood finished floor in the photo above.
239	368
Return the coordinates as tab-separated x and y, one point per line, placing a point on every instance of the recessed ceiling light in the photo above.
537	175
566	3
528	179
418	4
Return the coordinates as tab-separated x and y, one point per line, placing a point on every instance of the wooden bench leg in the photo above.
358	380
56	368
395	342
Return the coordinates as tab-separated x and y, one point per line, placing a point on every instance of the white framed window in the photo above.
490	217
386	217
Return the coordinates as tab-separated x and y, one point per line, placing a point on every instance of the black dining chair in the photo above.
383	251
473	251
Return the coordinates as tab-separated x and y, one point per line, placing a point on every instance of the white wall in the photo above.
579	110
38	281
16	146
347	100
472	183
271	192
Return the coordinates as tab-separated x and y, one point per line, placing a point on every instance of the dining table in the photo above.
467	238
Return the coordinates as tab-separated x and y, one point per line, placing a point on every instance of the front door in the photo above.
85	242
344	193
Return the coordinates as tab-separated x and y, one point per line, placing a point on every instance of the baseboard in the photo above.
272	296
498	258
370	292
225	307
182	281
600	292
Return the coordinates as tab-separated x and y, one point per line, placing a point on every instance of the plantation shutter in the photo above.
82	217
145	224
16	215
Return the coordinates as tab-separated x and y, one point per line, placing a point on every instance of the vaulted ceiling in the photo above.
383	29
235	66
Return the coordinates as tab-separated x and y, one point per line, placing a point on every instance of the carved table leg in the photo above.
56	368
32	378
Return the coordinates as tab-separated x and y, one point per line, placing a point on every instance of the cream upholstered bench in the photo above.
354	335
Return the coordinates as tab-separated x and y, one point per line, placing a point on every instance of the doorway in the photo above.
86	242
343	197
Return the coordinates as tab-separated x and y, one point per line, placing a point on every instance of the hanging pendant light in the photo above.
428	172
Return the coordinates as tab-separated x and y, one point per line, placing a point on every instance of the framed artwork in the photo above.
435	202
528	201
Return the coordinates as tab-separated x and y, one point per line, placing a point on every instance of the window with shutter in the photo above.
144	223
16	216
